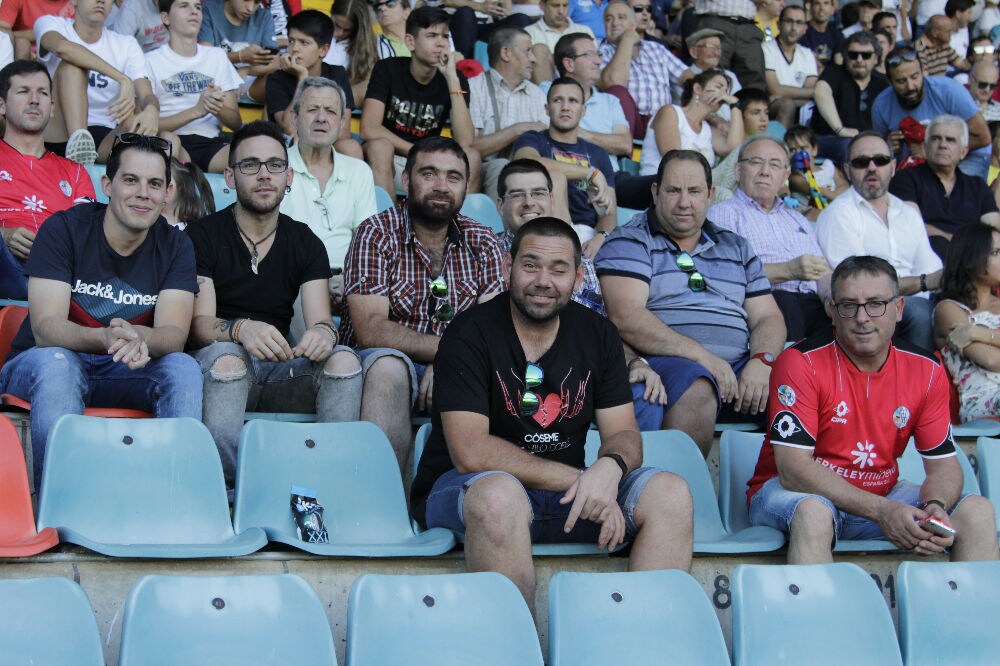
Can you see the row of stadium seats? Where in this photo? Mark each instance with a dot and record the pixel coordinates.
(807, 614)
(154, 488)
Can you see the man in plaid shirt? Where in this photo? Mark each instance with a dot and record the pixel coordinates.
(409, 270)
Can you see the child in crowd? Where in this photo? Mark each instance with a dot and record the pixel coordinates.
(829, 178)
(355, 44)
(191, 197)
(245, 30)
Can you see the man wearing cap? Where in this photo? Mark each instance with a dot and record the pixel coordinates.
(705, 46)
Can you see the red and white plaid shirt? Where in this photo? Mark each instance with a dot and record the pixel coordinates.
(386, 259)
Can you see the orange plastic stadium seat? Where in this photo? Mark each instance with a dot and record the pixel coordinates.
(18, 537)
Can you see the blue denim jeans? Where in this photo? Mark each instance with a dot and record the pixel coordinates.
(917, 324)
(295, 386)
(58, 381)
(13, 282)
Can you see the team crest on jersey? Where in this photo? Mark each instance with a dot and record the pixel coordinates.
(5, 175)
(65, 187)
(786, 395)
(841, 411)
(901, 417)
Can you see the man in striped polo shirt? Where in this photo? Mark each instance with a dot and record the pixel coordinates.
(695, 300)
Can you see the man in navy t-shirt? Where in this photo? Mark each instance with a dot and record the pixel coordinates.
(110, 297)
(519, 379)
(580, 170)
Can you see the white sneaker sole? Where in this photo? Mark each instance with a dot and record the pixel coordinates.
(81, 148)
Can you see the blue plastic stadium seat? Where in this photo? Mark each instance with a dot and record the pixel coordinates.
(988, 455)
(654, 617)
(537, 549)
(47, 622)
(96, 171)
(676, 452)
(139, 488)
(382, 199)
(977, 428)
(354, 472)
(483, 210)
(290, 417)
(948, 612)
(625, 215)
(444, 620)
(738, 455)
(816, 614)
(224, 195)
(264, 619)
(481, 54)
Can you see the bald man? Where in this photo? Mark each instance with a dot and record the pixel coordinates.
(982, 82)
(934, 47)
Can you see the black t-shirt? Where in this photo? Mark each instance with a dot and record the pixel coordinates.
(281, 87)
(480, 368)
(823, 44)
(412, 110)
(296, 256)
(969, 200)
(71, 247)
(849, 99)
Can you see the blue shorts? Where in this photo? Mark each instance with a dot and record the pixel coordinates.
(415, 370)
(677, 374)
(548, 516)
(774, 506)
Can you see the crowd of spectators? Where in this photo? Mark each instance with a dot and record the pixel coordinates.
(810, 176)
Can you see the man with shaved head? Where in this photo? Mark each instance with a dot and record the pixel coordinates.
(934, 47)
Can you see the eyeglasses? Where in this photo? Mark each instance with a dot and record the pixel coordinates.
(251, 166)
(520, 196)
(862, 161)
(849, 309)
(696, 281)
(136, 139)
(859, 55)
(586, 54)
(391, 4)
(642, 9)
(986, 85)
(759, 162)
(439, 290)
(983, 49)
(905, 56)
(533, 376)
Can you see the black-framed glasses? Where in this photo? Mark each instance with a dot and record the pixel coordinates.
(862, 161)
(986, 85)
(643, 9)
(533, 376)
(696, 281)
(144, 140)
(251, 166)
(860, 55)
(849, 309)
(904, 56)
(443, 313)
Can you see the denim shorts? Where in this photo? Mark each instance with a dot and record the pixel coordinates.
(774, 506)
(548, 516)
(415, 370)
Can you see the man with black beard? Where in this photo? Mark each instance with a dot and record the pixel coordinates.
(520, 380)
(252, 263)
(409, 270)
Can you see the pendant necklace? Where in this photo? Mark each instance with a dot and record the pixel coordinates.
(254, 254)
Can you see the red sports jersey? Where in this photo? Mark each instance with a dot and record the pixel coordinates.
(855, 423)
(32, 188)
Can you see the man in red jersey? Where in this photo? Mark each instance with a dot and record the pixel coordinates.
(842, 409)
(34, 183)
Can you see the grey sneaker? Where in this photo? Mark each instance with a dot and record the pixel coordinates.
(81, 147)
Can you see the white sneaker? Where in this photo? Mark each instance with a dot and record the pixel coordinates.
(81, 147)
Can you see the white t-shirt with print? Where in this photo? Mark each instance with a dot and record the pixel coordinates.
(793, 72)
(178, 81)
(119, 51)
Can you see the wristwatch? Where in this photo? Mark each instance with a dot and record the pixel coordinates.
(765, 357)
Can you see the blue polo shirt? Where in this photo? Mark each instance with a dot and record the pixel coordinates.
(590, 14)
(714, 317)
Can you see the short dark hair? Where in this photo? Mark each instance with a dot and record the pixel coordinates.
(142, 143)
(788, 8)
(255, 129)
(953, 7)
(503, 38)
(863, 135)
(523, 165)
(866, 38)
(687, 155)
(747, 96)
(855, 265)
(313, 23)
(881, 16)
(551, 227)
(802, 133)
(566, 48)
(424, 17)
(564, 81)
(165, 5)
(435, 144)
(20, 68)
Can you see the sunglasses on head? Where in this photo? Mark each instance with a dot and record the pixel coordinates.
(696, 281)
(905, 56)
(136, 139)
(862, 161)
(533, 376)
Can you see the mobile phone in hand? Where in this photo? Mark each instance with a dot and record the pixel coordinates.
(937, 527)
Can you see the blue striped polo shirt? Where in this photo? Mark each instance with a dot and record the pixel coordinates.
(714, 317)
